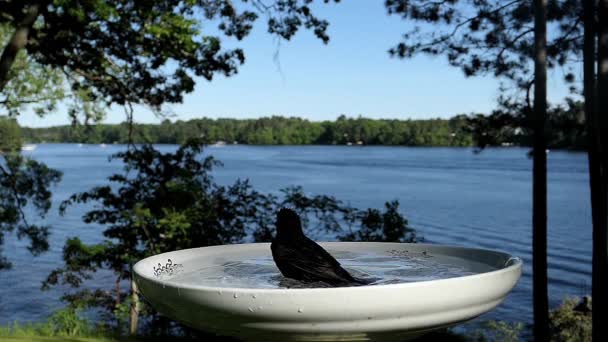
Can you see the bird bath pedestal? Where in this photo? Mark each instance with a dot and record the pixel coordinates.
(235, 290)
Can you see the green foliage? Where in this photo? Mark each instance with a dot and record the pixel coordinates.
(24, 181)
(389, 226)
(29, 83)
(565, 127)
(444, 335)
(168, 201)
(41, 87)
(270, 131)
(143, 52)
(10, 135)
(490, 36)
(565, 130)
(121, 315)
(66, 322)
(498, 331)
(568, 325)
(496, 37)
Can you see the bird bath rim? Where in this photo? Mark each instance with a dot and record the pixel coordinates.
(391, 312)
(512, 262)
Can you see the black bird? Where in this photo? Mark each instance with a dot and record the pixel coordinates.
(584, 306)
(300, 258)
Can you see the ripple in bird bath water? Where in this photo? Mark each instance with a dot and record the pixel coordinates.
(261, 272)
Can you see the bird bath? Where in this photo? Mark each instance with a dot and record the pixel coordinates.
(236, 290)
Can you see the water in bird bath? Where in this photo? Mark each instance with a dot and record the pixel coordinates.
(392, 268)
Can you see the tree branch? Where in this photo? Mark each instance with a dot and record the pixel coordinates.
(18, 41)
(457, 27)
(15, 194)
(28, 101)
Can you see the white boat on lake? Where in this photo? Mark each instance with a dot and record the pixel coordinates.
(28, 147)
(219, 143)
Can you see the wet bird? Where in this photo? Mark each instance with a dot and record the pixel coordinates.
(584, 306)
(300, 258)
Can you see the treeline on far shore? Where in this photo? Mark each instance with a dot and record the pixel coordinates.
(275, 130)
(459, 130)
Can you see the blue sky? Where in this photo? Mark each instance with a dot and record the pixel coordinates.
(352, 75)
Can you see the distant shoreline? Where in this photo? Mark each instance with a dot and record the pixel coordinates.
(282, 131)
(472, 148)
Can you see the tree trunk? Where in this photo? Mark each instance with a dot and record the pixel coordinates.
(117, 289)
(599, 180)
(134, 312)
(18, 41)
(539, 183)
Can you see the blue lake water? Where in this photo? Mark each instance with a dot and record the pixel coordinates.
(450, 196)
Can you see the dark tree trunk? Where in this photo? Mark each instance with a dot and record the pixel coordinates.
(539, 183)
(18, 41)
(598, 163)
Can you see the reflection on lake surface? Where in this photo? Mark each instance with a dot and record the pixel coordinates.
(450, 195)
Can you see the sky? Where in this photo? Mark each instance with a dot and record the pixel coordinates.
(353, 75)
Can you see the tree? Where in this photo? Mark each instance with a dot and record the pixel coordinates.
(169, 201)
(38, 87)
(282, 131)
(133, 52)
(600, 235)
(382, 227)
(24, 181)
(98, 53)
(10, 135)
(494, 37)
(596, 106)
(490, 36)
(539, 180)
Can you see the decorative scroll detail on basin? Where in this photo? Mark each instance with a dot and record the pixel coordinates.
(169, 269)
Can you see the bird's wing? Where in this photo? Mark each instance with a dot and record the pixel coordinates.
(313, 263)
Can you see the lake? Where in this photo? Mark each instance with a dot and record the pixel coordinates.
(449, 195)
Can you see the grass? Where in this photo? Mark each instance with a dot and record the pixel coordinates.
(66, 325)
(77, 339)
(63, 325)
(56, 338)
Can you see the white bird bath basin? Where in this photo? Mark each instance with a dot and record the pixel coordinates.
(235, 290)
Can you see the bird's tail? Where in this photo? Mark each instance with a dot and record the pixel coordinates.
(364, 281)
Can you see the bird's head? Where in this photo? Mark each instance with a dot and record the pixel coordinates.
(288, 224)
